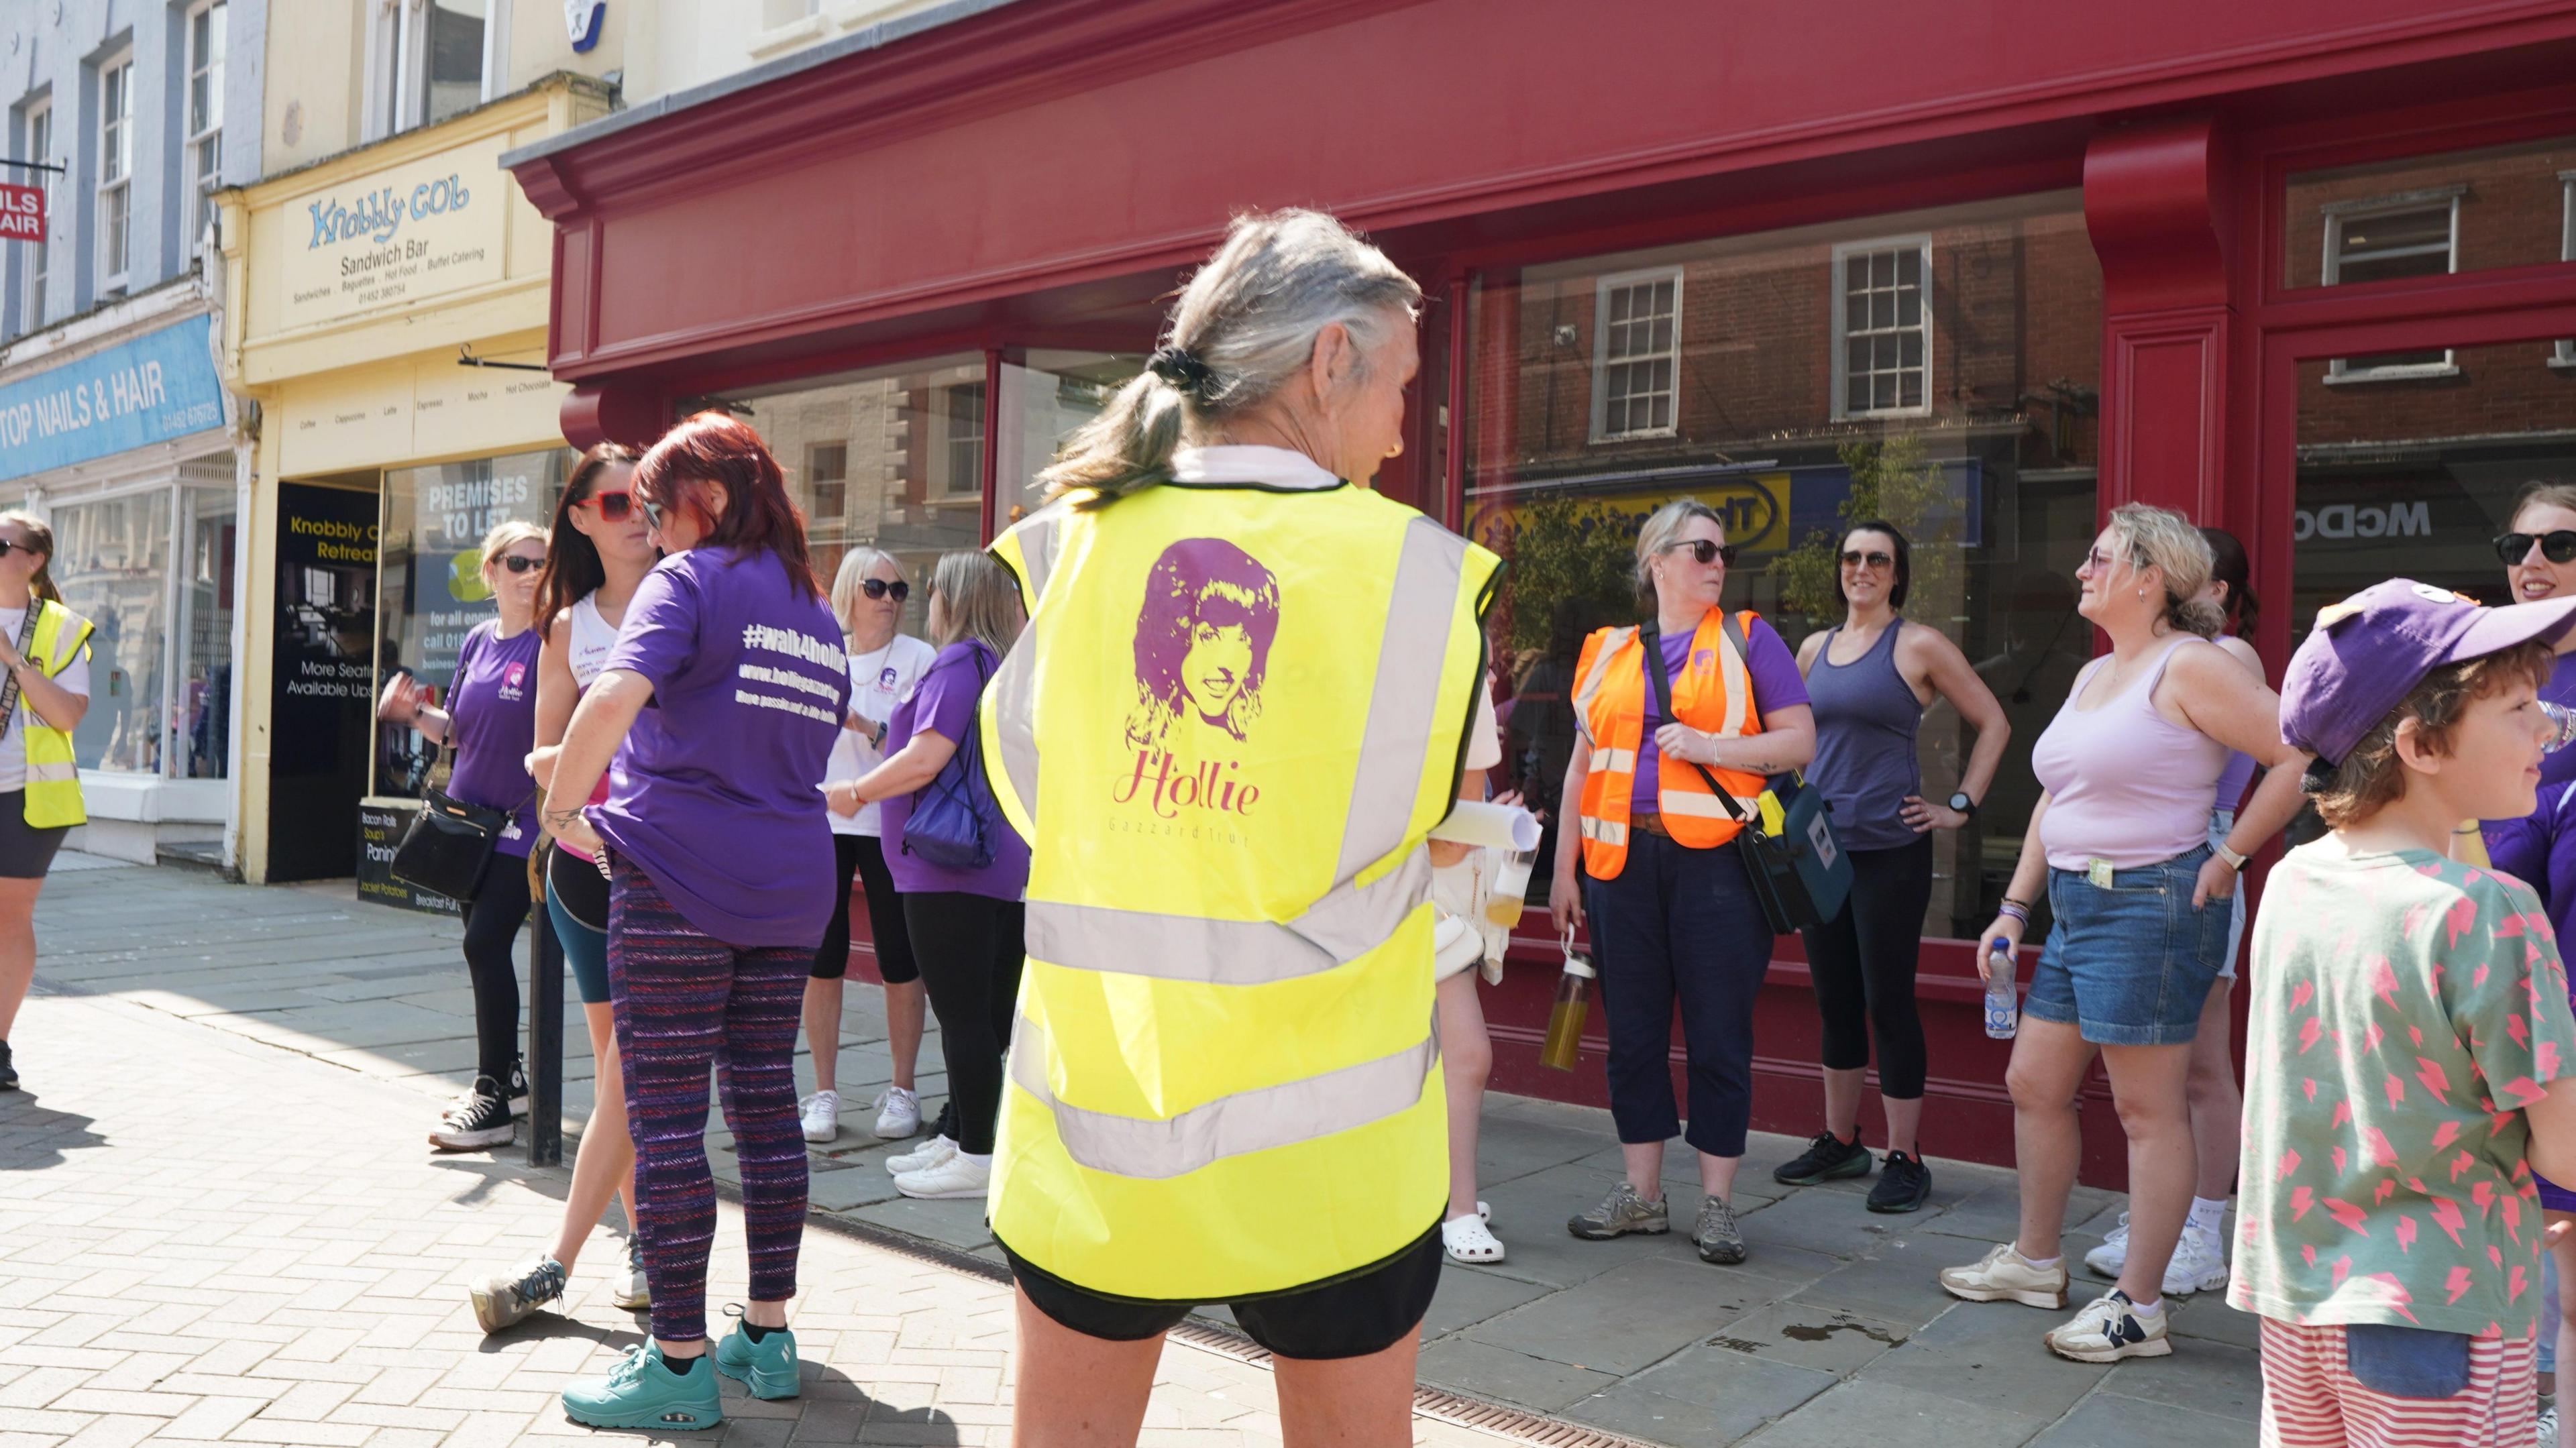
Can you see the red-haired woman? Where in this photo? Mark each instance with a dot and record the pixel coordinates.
(720, 880)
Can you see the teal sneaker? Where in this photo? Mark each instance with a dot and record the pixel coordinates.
(641, 1393)
(767, 1367)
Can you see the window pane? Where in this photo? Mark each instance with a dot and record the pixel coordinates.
(112, 562)
(454, 74)
(2511, 201)
(201, 717)
(2005, 502)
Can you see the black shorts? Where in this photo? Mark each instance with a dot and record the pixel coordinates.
(26, 852)
(891, 938)
(1350, 1316)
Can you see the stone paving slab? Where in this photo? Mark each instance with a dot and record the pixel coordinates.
(1834, 1332)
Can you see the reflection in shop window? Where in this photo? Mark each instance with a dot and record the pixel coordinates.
(1047, 395)
(1637, 354)
(112, 563)
(2455, 211)
(2383, 239)
(1993, 475)
(2564, 353)
(962, 421)
(201, 716)
(827, 471)
(1883, 328)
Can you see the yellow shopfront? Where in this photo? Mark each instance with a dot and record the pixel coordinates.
(389, 321)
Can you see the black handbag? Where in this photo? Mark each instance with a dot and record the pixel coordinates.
(1800, 874)
(448, 848)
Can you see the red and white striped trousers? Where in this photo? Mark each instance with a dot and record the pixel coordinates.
(2312, 1400)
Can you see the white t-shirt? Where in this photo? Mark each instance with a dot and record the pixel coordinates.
(878, 682)
(13, 746)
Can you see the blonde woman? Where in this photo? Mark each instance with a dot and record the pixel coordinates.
(2140, 900)
(966, 923)
(868, 594)
(45, 649)
(491, 720)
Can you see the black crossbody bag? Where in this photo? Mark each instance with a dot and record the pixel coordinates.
(448, 848)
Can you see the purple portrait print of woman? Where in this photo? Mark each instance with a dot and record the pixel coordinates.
(1203, 640)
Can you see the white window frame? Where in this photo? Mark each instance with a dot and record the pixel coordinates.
(2563, 356)
(116, 142)
(202, 143)
(38, 270)
(1602, 288)
(1919, 243)
(396, 90)
(2337, 214)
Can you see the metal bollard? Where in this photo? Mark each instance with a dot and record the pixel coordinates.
(545, 1030)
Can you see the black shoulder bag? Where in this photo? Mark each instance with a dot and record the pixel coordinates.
(448, 848)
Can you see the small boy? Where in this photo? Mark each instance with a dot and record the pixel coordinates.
(2409, 1038)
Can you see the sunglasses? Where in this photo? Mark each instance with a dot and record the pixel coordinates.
(1854, 558)
(1704, 552)
(8, 547)
(520, 562)
(2100, 561)
(652, 510)
(2558, 547)
(879, 588)
(614, 507)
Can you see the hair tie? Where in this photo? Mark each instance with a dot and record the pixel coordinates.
(1182, 369)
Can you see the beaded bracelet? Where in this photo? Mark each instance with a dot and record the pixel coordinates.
(2016, 910)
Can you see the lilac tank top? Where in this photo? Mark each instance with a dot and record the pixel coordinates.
(2125, 784)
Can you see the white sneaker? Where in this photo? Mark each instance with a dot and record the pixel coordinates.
(628, 1288)
(2108, 1329)
(2544, 1428)
(2112, 1257)
(822, 1116)
(898, 1114)
(2198, 1265)
(2004, 1275)
(958, 1176)
(934, 1151)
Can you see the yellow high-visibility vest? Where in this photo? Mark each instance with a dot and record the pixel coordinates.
(53, 774)
(1235, 715)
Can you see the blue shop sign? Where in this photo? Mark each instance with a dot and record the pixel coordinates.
(151, 389)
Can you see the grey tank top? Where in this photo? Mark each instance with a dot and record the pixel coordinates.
(1866, 719)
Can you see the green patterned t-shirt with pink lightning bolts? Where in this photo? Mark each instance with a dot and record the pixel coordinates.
(2405, 1008)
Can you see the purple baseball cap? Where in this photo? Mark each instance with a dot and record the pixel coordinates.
(2367, 653)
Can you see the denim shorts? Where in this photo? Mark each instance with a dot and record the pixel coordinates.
(2130, 965)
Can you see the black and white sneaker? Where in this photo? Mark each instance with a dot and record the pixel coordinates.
(8, 1069)
(1904, 1185)
(478, 1119)
(1827, 1158)
(518, 1088)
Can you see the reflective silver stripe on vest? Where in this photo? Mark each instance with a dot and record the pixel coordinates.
(1591, 686)
(1236, 1125)
(1013, 700)
(1349, 922)
(1420, 613)
(1037, 549)
(52, 773)
(1608, 832)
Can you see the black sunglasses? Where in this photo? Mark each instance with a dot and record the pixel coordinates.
(879, 588)
(8, 547)
(1703, 551)
(1854, 558)
(2558, 547)
(520, 562)
(652, 510)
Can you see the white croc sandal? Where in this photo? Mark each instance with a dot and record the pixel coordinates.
(1485, 1213)
(1470, 1241)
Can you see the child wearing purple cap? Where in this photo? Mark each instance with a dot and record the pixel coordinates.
(2410, 1038)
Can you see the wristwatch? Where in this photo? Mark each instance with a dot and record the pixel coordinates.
(2233, 860)
(1961, 804)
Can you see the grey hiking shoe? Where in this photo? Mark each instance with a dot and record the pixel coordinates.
(1715, 1234)
(1622, 1212)
(501, 1302)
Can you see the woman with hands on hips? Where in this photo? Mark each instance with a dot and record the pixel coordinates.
(44, 695)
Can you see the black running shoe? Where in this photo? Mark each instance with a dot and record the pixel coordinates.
(478, 1119)
(1904, 1185)
(1826, 1159)
(8, 1069)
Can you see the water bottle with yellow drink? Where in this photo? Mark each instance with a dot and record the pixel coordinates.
(1565, 1018)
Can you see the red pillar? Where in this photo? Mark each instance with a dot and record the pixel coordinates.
(2154, 201)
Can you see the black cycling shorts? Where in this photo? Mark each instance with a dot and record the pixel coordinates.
(1350, 1316)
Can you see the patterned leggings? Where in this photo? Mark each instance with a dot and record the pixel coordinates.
(685, 1001)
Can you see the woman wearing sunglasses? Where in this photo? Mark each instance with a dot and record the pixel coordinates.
(44, 693)
(597, 553)
(491, 722)
(868, 594)
(1662, 783)
(1871, 678)
(2139, 899)
(720, 875)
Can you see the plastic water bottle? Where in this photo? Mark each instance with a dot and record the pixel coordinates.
(2003, 1003)
(2565, 720)
(1565, 1017)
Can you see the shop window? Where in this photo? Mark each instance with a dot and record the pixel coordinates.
(1046, 396)
(2563, 354)
(205, 116)
(430, 577)
(112, 563)
(1636, 349)
(909, 440)
(2427, 216)
(1883, 328)
(201, 714)
(39, 126)
(2383, 239)
(1992, 475)
(115, 170)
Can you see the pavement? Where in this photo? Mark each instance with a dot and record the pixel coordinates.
(219, 1221)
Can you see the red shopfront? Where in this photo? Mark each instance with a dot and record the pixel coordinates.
(2306, 271)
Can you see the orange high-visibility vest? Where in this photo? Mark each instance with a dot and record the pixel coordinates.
(1712, 692)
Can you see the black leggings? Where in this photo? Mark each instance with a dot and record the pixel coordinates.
(493, 920)
(1863, 965)
(970, 948)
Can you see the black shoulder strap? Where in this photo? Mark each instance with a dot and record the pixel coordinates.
(1664, 689)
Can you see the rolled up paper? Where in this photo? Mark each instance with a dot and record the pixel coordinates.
(1503, 826)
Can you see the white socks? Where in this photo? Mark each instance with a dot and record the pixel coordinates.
(2035, 1262)
(2207, 1216)
(2149, 1309)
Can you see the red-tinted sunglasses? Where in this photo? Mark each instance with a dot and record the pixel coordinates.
(614, 507)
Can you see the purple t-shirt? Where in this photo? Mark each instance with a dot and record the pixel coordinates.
(494, 704)
(712, 794)
(942, 704)
(1777, 684)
